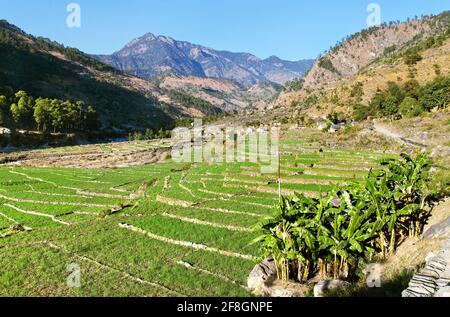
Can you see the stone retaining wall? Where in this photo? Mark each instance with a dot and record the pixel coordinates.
(434, 279)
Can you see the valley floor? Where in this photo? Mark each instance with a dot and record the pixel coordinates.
(156, 229)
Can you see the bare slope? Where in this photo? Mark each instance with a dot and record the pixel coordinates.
(348, 58)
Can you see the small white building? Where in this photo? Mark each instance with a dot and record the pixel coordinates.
(336, 127)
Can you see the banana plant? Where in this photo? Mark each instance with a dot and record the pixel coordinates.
(331, 233)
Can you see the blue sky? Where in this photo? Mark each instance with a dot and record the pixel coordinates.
(290, 29)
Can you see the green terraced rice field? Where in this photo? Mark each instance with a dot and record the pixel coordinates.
(185, 229)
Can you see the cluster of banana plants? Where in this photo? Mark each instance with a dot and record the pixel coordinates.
(329, 235)
(400, 194)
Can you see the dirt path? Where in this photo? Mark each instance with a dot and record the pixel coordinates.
(93, 159)
(389, 133)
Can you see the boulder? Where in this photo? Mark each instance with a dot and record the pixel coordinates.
(321, 288)
(285, 289)
(262, 274)
(281, 292)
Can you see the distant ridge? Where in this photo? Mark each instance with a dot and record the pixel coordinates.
(151, 56)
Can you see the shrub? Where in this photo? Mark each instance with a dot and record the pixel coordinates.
(337, 117)
(412, 88)
(411, 107)
(437, 69)
(311, 100)
(386, 102)
(295, 84)
(390, 106)
(412, 58)
(361, 112)
(395, 91)
(392, 100)
(193, 102)
(327, 64)
(389, 50)
(357, 91)
(435, 94)
(149, 134)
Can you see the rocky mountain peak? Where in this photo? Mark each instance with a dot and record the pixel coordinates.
(151, 56)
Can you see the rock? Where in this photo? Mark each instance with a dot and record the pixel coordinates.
(434, 278)
(262, 275)
(283, 292)
(279, 288)
(440, 151)
(445, 274)
(424, 289)
(336, 203)
(437, 263)
(408, 293)
(430, 272)
(429, 256)
(443, 292)
(441, 230)
(321, 288)
(416, 292)
(263, 281)
(443, 282)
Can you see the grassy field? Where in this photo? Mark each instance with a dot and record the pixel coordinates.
(163, 229)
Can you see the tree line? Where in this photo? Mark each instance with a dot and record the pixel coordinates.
(22, 111)
(410, 99)
(149, 134)
(442, 18)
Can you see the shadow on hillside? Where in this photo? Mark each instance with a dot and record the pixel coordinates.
(42, 74)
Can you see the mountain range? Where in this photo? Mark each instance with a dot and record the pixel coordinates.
(189, 80)
(44, 68)
(151, 56)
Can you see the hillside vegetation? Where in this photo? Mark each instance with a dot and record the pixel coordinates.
(20, 110)
(223, 94)
(46, 69)
(414, 69)
(351, 55)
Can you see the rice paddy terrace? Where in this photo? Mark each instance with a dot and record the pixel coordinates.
(158, 229)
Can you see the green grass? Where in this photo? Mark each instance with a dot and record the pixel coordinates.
(226, 202)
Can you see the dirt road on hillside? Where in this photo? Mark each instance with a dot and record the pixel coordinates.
(389, 133)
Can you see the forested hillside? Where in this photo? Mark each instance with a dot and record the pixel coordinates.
(406, 79)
